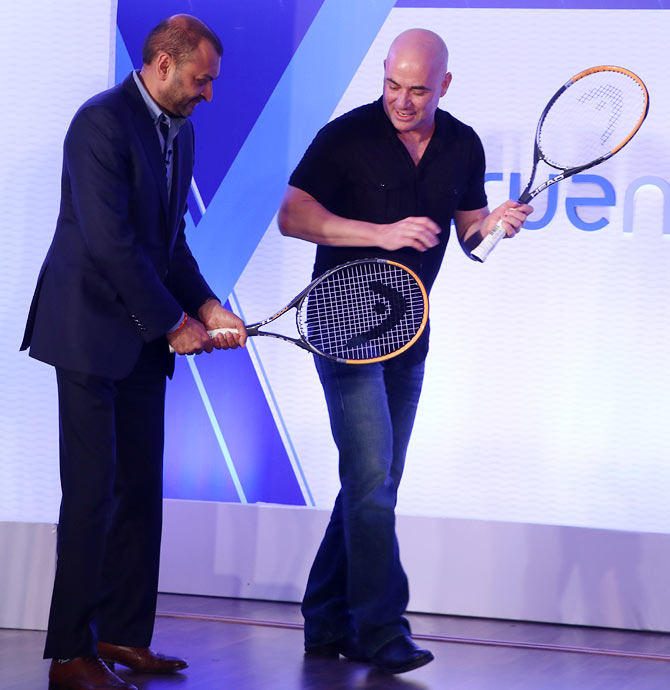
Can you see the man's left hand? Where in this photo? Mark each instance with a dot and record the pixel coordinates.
(214, 316)
(513, 215)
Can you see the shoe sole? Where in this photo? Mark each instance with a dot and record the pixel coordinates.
(414, 664)
(59, 686)
(111, 666)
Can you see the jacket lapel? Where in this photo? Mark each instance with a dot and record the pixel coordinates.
(147, 136)
(182, 169)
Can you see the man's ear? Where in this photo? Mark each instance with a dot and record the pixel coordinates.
(164, 65)
(445, 83)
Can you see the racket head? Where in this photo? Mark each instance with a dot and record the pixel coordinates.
(591, 117)
(364, 311)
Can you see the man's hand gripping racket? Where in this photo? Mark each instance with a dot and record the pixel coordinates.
(360, 312)
(586, 121)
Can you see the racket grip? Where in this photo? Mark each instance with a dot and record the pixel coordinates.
(214, 332)
(485, 247)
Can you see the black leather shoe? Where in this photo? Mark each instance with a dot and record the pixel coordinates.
(401, 654)
(140, 659)
(332, 650)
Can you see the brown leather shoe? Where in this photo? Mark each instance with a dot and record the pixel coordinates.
(85, 673)
(140, 659)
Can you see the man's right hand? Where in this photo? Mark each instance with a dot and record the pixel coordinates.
(417, 233)
(191, 338)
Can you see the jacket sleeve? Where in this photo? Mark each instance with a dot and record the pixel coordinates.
(185, 281)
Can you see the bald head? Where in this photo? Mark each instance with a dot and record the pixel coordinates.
(420, 45)
(415, 78)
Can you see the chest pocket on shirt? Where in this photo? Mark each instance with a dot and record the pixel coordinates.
(380, 197)
(444, 197)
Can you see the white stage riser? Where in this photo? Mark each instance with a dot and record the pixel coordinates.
(27, 565)
(459, 567)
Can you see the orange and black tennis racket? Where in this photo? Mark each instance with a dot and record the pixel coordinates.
(588, 120)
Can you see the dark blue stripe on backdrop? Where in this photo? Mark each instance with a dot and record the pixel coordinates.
(259, 39)
(195, 464)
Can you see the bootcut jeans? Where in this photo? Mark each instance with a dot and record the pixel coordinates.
(357, 590)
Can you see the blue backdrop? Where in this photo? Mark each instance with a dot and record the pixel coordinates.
(223, 441)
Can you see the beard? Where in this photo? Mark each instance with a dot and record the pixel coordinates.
(177, 99)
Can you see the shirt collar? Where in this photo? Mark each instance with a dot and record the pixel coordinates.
(440, 133)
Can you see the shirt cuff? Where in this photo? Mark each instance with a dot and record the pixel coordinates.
(179, 323)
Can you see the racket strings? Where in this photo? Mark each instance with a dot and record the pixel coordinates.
(591, 118)
(601, 96)
(361, 312)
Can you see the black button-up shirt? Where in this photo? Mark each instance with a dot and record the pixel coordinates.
(358, 168)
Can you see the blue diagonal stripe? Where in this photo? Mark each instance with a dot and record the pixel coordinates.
(217, 429)
(249, 195)
(247, 199)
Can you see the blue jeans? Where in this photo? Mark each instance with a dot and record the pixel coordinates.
(357, 588)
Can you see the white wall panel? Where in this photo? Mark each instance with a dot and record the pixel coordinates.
(545, 398)
(54, 57)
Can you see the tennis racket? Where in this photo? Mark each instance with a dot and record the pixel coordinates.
(587, 121)
(360, 312)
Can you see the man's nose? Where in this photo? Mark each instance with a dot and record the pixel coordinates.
(208, 92)
(403, 100)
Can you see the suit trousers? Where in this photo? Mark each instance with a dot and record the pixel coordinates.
(109, 529)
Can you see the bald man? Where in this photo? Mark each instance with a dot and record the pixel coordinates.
(384, 180)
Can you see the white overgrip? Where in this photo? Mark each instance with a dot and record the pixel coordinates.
(485, 247)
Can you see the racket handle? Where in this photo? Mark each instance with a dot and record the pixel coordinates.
(485, 247)
(214, 332)
(222, 330)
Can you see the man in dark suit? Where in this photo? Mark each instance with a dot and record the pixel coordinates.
(118, 285)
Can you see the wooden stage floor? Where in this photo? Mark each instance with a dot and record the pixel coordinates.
(233, 644)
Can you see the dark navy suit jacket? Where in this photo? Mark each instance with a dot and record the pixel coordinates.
(119, 272)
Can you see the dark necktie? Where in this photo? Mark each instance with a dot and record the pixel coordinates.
(164, 127)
